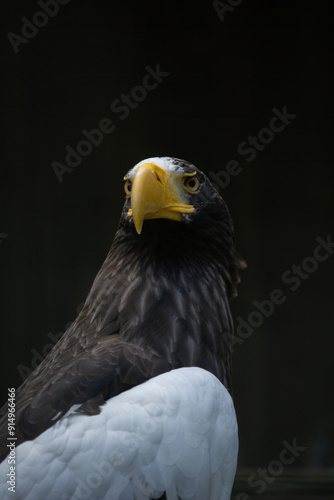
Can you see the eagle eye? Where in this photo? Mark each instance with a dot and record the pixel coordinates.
(191, 183)
(128, 186)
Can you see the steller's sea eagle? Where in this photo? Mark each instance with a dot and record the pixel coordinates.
(133, 402)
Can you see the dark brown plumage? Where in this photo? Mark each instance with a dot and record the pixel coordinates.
(159, 302)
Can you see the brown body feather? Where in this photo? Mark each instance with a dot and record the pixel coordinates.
(159, 302)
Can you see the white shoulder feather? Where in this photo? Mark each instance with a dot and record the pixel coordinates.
(176, 433)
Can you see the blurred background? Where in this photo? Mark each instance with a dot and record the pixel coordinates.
(222, 70)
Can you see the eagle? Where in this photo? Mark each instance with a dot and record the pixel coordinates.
(134, 401)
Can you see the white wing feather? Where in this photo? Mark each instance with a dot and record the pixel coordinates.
(176, 433)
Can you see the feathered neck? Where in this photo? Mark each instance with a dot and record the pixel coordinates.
(172, 286)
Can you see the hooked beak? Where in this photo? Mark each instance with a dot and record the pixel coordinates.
(156, 194)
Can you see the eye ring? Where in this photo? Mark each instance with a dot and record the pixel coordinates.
(128, 187)
(191, 183)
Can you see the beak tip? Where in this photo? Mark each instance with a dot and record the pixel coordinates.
(138, 226)
(137, 222)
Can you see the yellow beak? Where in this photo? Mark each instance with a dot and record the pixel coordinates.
(156, 194)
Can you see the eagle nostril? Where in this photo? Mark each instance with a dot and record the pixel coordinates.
(158, 178)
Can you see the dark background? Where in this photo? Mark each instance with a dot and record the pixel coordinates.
(225, 77)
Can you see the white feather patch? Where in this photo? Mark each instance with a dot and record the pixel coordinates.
(177, 433)
(165, 162)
